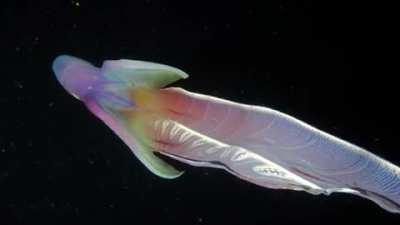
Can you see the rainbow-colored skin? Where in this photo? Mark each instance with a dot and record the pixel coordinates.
(257, 144)
(109, 93)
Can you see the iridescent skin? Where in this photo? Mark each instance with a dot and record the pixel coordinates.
(269, 148)
(257, 144)
(108, 92)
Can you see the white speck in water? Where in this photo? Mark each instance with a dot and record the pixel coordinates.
(18, 84)
(36, 40)
(75, 3)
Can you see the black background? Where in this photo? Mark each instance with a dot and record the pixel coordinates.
(330, 63)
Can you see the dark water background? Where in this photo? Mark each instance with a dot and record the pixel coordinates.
(333, 64)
